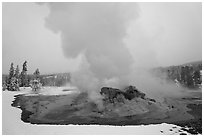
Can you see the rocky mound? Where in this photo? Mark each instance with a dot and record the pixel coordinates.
(114, 95)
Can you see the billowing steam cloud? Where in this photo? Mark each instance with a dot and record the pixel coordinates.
(96, 32)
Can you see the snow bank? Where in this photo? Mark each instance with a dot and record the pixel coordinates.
(12, 124)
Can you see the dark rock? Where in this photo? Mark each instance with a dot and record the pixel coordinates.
(132, 92)
(153, 100)
(111, 93)
(129, 93)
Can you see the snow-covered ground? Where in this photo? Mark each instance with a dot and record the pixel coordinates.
(49, 91)
(12, 124)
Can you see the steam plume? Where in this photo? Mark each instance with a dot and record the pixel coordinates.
(95, 31)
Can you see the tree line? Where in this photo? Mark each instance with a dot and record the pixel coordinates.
(16, 79)
(188, 76)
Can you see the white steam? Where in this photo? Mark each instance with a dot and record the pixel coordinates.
(96, 32)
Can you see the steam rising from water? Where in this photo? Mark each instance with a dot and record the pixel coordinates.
(96, 32)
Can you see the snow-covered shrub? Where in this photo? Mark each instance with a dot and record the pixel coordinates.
(4, 86)
(13, 85)
(36, 85)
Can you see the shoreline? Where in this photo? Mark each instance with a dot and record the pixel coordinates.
(14, 125)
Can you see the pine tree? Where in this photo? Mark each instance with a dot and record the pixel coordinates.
(36, 74)
(13, 83)
(11, 71)
(196, 77)
(17, 72)
(11, 75)
(23, 76)
(25, 66)
(17, 76)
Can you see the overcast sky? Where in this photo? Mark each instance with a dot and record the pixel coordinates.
(163, 34)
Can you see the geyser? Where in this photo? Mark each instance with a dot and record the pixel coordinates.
(95, 31)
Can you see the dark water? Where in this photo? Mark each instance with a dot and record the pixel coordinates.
(77, 109)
